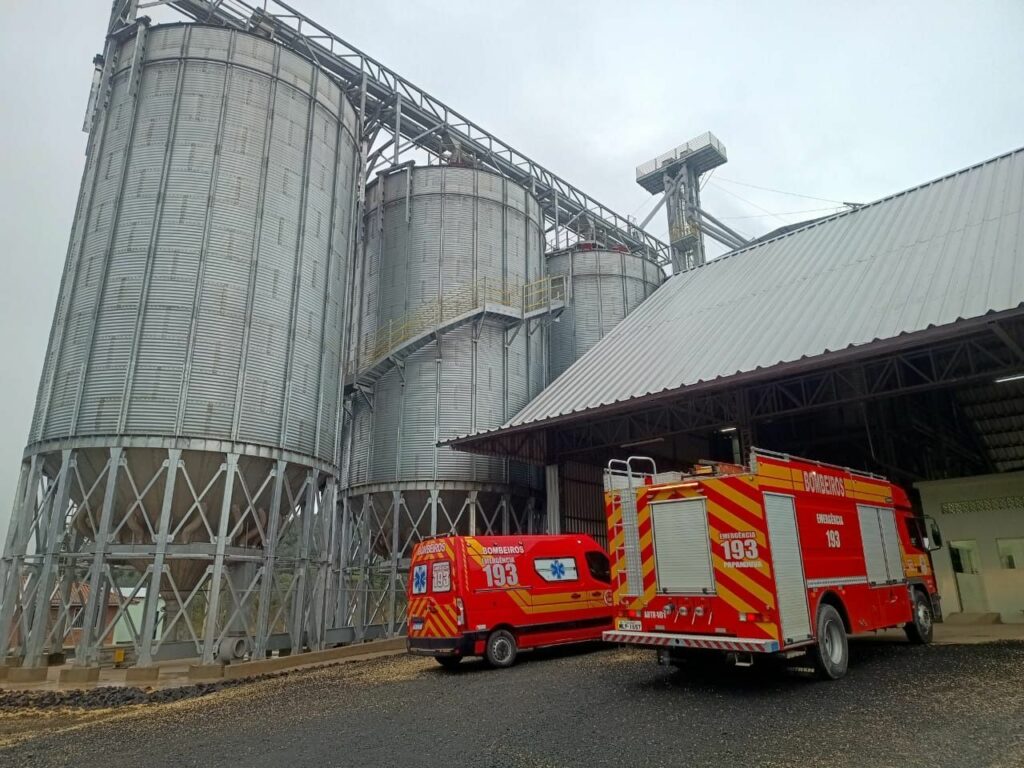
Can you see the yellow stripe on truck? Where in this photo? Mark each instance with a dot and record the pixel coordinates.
(738, 498)
(737, 575)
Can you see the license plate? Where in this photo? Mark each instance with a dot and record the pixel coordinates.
(627, 625)
(417, 623)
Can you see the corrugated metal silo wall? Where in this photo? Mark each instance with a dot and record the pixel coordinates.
(604, 286)
(440, 232)
(203, 289)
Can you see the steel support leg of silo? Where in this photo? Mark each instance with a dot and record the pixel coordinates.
(296, 627)
(213, 604)
(269, 562)
(471, 503)
(361, 558)
(37, 634)
(305, 596)
(319, 594)
(531, 515)
(18, 530)
(396, 506)
(434, 493)
(331, 507)
(152, 601)
(95, 613)
(342, 610)
(554, 521)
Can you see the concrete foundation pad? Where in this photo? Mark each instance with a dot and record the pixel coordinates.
(973, 618)
(79, 675)
(27, 674)
(142, 674)
(204, 672)
(266, 666)
(3, 671)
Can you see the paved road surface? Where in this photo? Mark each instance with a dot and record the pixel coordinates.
(900, 705)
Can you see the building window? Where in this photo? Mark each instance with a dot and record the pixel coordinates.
(599, 567)
(556, 568)
(1011, 553)
(964, 556)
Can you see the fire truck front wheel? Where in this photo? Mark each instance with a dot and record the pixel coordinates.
(832, 652)
(501, 648)
(919, 630)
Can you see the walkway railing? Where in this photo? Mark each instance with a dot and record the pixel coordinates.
(526, 298)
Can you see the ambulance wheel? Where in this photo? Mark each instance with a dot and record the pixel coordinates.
(832, 652)
(448, 662)
(919, 630)
(501, 649)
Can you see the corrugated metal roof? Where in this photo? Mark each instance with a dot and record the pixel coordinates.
(997, 411)
(948, 250)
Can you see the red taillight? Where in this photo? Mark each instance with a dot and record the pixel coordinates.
(753, 617)
(460, 617)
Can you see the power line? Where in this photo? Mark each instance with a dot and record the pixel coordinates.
(708, 177)
(780, 213)
(781, 192)
(749, 202)
(642, 205)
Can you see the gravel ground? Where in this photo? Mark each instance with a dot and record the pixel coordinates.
(900, 706)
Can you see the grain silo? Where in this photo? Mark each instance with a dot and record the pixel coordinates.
(186, 431)
(603, 286)
(451, 342)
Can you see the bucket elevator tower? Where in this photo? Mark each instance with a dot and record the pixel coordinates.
(677, 173)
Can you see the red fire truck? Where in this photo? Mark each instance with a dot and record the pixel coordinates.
(787, 556)
(493, 596)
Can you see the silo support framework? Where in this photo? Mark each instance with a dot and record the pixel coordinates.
(170, 543)
(385, 521)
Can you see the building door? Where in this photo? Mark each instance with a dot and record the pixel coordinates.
(967, 571)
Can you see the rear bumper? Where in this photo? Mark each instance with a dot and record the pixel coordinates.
(441, 646)
(708, 642)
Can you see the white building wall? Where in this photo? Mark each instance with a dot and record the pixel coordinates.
(981, 509)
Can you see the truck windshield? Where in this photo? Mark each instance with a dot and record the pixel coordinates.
(915, 531)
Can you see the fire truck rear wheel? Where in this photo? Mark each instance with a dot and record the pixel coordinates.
(501, 648)
(832, 652)
(919, 630)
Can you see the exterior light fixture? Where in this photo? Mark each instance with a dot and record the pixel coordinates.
(1013, 377)
(727, 430)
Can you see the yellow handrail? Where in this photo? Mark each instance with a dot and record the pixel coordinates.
(526, 298)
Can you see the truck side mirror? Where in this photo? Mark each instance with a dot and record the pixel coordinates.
(934, 540)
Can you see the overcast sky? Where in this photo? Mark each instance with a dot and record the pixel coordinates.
(839, 101)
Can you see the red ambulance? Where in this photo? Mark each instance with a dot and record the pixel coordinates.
(786, 557)
(494, 596)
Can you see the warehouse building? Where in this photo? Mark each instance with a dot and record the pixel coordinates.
(889, 337)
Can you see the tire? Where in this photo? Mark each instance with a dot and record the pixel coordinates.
(919, 629)
(448, 662)
(831, 654)
(501, 649)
